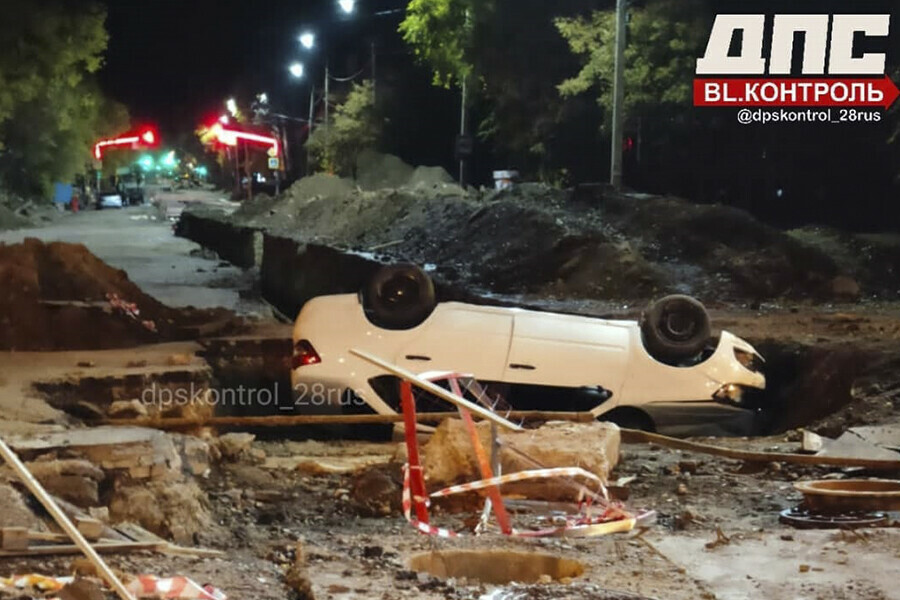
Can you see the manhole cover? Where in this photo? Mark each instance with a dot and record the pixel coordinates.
(802, 518)
(495, 566)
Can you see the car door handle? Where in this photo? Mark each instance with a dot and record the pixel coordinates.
(418, 357)
(522, 367)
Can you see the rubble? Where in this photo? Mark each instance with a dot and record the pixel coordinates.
(232, 446)
(74, 480)
(142, 470)
(449, 459)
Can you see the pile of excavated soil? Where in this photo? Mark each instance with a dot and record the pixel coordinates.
(585, 243)
(60, 296)
(16, 212)
(11, 220)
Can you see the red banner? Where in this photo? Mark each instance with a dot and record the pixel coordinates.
(795, 92)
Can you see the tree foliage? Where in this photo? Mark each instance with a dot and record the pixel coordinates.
(51, 110)
(440, 34)
(665, 37)
(354, 127)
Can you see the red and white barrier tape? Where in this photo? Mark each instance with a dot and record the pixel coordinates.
(612, 520)
(174, 588)
(407, 501)
(520, 476)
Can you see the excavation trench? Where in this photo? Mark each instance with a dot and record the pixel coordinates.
(249, 377)
(805, 383)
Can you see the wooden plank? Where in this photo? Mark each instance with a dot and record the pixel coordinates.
(14, 538)
(313, 420)
(68, 549)
(137, 533)
(633, 436)
(60, 538)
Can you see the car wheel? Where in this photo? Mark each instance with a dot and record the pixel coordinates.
(399, 297)
(631, 418)
(675, 328)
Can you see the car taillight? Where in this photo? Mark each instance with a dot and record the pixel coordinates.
(304, 355)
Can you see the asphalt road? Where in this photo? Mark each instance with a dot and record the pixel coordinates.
(140, 241)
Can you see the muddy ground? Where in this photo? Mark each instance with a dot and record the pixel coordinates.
(262, 517)
(299, 519)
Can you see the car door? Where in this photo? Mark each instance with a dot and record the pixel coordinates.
(462, 338)
(567, 351)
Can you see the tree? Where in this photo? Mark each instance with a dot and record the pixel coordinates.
(354, 127)
(440, 34)
(519, 55)
(665, 37)
(50, 109)
(511, 54)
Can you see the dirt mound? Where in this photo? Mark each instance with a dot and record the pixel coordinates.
(870, 260)
(376, 171)
(60, 296)
(430, 176)
(11, 220)
(587, 243)
(320, 185)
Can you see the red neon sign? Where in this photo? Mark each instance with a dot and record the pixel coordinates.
(146, 137)
(230, 137)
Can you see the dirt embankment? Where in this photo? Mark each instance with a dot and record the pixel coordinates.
(60, 296)
(588, 243)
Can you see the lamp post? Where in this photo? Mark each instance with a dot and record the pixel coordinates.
(297, 71)
(618, 117)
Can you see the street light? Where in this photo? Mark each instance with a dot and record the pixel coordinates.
(347, 5)
(296, 70)
(308, 40)
(231, 105)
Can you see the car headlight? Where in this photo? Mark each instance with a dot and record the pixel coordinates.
(750, 361)
(730, 394)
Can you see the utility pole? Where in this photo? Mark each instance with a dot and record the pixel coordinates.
(237, 171)
(618, 117)
(374, 76)
(464, 116)
(327, 88)
(309, 132)
(327, 109)
(462, 130)
(247, 172)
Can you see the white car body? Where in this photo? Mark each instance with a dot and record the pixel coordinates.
(110, 201)
(511, 345)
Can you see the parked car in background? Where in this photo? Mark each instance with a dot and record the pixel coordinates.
(665, 371)
(110, 199)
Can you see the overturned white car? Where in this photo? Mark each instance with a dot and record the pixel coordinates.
(664, 372)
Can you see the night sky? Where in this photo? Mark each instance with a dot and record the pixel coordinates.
(175, 62)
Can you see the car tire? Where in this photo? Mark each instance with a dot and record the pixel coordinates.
(675, 329)
(399, 297)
